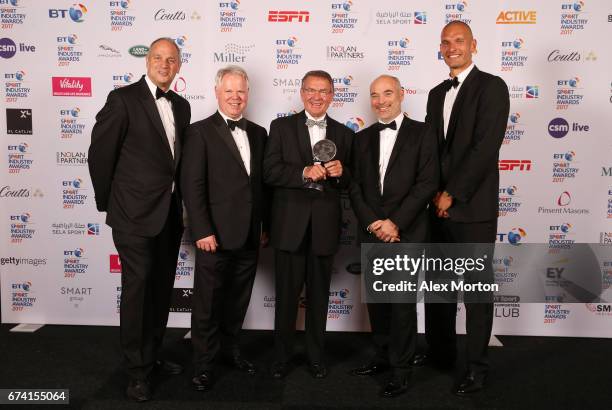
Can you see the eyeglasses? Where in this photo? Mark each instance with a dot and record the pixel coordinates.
(311, 91)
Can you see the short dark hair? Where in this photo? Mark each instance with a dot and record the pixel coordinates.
(319, 74)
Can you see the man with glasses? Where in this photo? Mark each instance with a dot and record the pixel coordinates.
(305, 222)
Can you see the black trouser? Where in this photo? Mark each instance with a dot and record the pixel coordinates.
(222, 290)
(292, 271)
(148, 268)
(440, 318)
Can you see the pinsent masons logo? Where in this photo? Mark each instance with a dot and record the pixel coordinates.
(71, 86)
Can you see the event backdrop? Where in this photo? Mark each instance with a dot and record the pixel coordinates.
(60, 59)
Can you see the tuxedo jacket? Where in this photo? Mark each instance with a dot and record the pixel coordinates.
(469, 155)
(221, 198)
(295, 208)
(130, 162)
(410, 181)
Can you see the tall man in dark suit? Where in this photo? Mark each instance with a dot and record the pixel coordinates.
(133, 162)
(395, 175)
(469, 112)
(305, 223)
(222, 184)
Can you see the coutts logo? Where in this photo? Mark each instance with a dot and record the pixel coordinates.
(71, 86)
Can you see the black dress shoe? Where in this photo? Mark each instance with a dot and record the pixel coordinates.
(279, 370)
(419, 360)
(203, 381)
(138, 390)
(370, 369)
(243, 365)
(426, 359)
(470, 384)
(318, 370)
(168, 367)
(394, 387)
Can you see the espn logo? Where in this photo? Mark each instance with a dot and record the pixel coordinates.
(515, 164)
(288, 16)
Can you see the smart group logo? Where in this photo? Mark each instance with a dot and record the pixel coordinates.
(560, 236)
(114, 263)
(344, 52)
(289, 86)
(355, 123)
(181, 300)
(563, 202)
(555, 313)
(345, 91)
(569, 93)
(458, 10)
(527, 92)
(515, 129)
(68, 50)
(517, 17)
(22, 296)
(71, 158)
(107, 51)
(181, 87)
(509, 201)
(75, 229)
(12, 13)
(121, 80)
(517, 165)
(121, 15)
(343, 17)
(19, 121)
(71, 86)
(564, 166)
(21, 227)
(19, 158)
(184, 266)
(400, 17)
(233, 53)
(340, 304)
(287, 52)
(71, 122)
(231, 18)
(76, 13)
(16, 86)
(513, 54)
(75, 262)
(186, 55)
(280, 16)
(400, 53)
(573, 18)
(514, 237)
(74, 194)
(75, 295)
(570, 56)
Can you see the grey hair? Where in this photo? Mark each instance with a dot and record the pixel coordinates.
(169, 40)
(231, 69)
(391, 77)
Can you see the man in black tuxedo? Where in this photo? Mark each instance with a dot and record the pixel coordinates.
(305, 223)
(469, 112)
(222, 184)
(394, 176)
(133, 162)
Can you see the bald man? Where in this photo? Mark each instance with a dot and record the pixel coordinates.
(395, 175)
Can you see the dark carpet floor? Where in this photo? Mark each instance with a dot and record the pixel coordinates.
(528, 373)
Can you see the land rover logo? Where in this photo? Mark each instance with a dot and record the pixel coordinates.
(139, 51)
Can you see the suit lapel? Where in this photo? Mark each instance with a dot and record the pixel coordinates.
(180, 120)
(400, 140)
(303, 138)
(463, 91)
(226, 136)
(148, 102)
(253, 146)
(374, 137)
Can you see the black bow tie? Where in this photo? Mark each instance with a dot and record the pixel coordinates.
(451, 83)
(381, 126)
(241, 123)
(160, 94)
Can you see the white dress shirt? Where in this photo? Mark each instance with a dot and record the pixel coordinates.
(387, 141)
(451, 96)
(315, 132)
(242, 142)
(164, 107)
